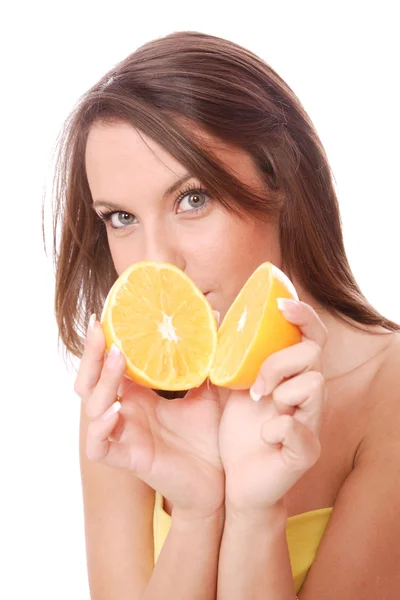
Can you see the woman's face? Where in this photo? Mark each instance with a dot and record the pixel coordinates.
(130, 174)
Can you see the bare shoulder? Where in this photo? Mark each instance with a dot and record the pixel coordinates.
(118, 519)
(385, 386)
(383, 421)
(390, 364)
(361, 540)
(381, 411)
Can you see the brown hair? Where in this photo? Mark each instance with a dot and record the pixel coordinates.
(167, 88)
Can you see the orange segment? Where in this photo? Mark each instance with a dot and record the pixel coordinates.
(163, 324)
(253, 329)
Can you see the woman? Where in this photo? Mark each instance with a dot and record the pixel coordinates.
(193, 151)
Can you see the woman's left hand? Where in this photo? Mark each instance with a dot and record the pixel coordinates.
(267, 445)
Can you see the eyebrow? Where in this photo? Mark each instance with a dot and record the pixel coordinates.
(168, 192)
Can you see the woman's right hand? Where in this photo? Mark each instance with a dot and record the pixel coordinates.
(172, 445)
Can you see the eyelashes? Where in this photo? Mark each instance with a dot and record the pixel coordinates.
(192, 189)
(107, 215)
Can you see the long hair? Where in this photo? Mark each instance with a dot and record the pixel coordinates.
(169, 88)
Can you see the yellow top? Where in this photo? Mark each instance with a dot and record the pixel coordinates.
(303, 533)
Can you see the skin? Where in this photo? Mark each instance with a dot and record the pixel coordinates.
(282, 434)
(131, 170)
(128, 168)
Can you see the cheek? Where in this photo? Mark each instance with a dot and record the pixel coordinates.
(121, 254)
(241, 249)
(247, 245)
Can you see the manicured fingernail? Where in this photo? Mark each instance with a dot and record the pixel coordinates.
(110, 412)
(257, 390)
(285, 304)
(92, 321)
(114, 354)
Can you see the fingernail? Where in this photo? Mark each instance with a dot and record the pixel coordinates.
(92, 321)
(110, 412)
(257, 390)
(285, 304)
(217, 316)
(114, 354)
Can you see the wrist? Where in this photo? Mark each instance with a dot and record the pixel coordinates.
(274, 516)
(185, 520)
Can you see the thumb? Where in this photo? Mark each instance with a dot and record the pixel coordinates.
(206, 391)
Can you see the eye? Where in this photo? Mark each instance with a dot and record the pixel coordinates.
(192, 200)
(118, 219)
(121, 219)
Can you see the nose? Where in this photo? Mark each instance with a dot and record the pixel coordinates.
(162, 245)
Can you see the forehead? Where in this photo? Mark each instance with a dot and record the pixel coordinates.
(120, 151)
(119, 148)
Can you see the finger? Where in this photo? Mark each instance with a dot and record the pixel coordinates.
(297, 444)
(305, 317)
(193, 403)
(92, 360)
(205, 391)
(125, 428)
(302, 397)
(101, 447)
(108, 384)
(97, 442)
(286, 363)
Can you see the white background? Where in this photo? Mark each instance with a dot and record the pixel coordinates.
(341, 59)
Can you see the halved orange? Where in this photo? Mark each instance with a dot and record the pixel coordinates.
(163, 324)
(253, 328)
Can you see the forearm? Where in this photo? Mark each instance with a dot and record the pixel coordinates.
(254, 558)
(188, 563)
